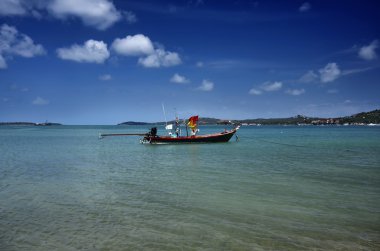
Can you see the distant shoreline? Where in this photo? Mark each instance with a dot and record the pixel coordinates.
(28, 124)
(363, 118)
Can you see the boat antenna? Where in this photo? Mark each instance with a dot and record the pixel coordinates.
(176, 115)
(163, 109)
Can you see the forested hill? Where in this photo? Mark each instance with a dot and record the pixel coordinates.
(360, 118)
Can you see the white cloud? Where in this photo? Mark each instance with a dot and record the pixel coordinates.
(18, 88)
(206, 86)
(254, 91)
(40, 101)
(199, 64)
(266, 87)
(332, 91)
(91, 52)
(159, 58)
(199, 2)
(142, 46)
(358, 70)
(271, 86)
(14, 43)
(130, 17)
(105, 77)
(23, 7)
(26, 48)
(295, 92)
(309, 77)
(368, 52)
(12, 8)
(178, 79)
(100, 14)
(3, 64)
(305, 7)
(172, 8)
(136, 45)
(329, 73)
(227, 64)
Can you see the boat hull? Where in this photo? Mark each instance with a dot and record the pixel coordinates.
(210, 138)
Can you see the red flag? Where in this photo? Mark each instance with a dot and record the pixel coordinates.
(193, 122)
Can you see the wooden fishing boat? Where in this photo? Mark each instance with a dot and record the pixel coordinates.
(224, 136)
(174, 134)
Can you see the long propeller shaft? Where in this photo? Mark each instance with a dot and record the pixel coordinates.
(102, 135)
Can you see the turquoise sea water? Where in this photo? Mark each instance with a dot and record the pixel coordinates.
(278, 188)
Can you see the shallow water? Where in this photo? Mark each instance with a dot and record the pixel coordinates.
(278, 188)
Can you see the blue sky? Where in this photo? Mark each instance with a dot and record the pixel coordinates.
(105, 62)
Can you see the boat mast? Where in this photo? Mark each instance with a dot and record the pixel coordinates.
(163, 109)
(187, 132)
(177, 124)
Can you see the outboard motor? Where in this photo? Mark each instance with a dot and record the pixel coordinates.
(153, 132)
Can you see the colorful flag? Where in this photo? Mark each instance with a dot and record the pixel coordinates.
(193, 122)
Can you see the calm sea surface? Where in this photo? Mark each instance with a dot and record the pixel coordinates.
(278, 188)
